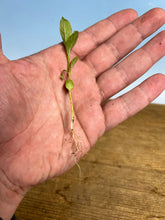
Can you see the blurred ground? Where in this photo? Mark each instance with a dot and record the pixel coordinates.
(123, 177)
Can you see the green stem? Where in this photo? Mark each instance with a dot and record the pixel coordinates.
(69, 69)
(72, 110)
(71, 104)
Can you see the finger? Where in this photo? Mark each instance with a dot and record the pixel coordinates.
(98, 33)
(132, 67)
(125, 40)
(123, 107)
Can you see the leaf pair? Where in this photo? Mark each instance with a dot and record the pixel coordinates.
(69, 38)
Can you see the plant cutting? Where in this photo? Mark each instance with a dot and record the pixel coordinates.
(69, 40)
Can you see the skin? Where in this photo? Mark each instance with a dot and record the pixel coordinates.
(35, 139)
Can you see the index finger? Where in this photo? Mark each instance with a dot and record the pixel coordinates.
(124, 41)
(93, 36)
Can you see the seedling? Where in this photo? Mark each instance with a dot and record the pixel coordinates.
(69, 40)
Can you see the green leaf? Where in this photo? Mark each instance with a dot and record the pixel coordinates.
(65, 29)
(71, 41)
(62, 74)
(73, 62)
(69, 84)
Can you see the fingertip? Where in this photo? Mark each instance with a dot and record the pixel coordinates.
(159, 79)
(132, 12)
(158, 12)
(153, 86)
(129, 12)
(124, 17)
(158, 84)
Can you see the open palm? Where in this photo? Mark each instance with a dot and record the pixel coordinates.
(35, 139)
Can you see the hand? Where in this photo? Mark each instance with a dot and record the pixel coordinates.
(35, 140)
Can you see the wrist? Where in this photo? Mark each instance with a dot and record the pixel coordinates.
(9, 201)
